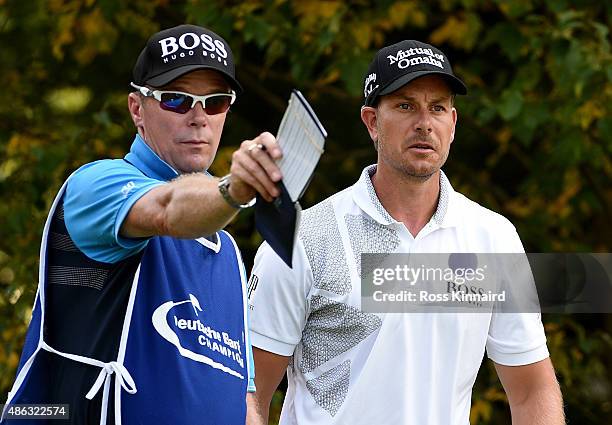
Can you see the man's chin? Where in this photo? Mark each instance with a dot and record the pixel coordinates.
(423, 171)
(198, 167)
(199, 163)
(420, 174)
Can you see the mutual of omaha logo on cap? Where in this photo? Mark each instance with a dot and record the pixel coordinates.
(176, 51)
(396, 65)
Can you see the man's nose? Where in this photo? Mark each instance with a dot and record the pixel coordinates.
(423, 122)
(198, 115)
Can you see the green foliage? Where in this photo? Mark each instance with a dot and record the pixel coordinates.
(534, 139)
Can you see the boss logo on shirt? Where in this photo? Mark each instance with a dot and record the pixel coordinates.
(458, 291)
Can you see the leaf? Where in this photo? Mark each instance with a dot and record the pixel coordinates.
(459, 30)
(96, 36)
(481, 410)
(604, 127)
(509, 38)
(568, 148)
(515, 8)
(510, 104)
(528, 76)
(589, 112)
(557, 5)
(316, 9)
(362, 34)
(352, 71)
(7, 168)
(64, 35)
(402, 12)
(69, 100)
(258, 30)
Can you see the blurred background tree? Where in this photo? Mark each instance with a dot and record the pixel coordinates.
(534, 137)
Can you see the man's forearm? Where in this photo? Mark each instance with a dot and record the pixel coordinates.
(192, 205)
(257, 414)
(543, 407)
(196, 208)
(270, 369)
(188, 207)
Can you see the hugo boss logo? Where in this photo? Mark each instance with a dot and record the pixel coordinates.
(188, 42)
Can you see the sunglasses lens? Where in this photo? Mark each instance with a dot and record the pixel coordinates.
(181, 103)
(176, 102)
(217, 104)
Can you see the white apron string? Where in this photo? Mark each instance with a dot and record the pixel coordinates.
(123, 379)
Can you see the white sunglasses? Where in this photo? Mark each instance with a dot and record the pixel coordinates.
(181, 103)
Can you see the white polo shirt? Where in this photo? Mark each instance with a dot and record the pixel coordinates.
(353, 367)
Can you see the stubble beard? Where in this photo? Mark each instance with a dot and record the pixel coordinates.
(403, 167)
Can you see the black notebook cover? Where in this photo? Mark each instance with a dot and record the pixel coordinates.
(277, 223)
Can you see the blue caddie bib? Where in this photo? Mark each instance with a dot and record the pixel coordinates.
(182, 355)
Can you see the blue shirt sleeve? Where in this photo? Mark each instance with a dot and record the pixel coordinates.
(251, 368)
(98, 197)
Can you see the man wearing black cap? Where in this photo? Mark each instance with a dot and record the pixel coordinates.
(140, 315)
(349, 366)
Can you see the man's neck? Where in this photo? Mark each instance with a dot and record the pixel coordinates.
(409, 200)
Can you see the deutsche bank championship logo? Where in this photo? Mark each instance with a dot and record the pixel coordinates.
(209, 340)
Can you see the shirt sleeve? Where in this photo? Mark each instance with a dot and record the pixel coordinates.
(278, 300)
(98, 198)
(516, 339)
(516, 334)
(249, 347)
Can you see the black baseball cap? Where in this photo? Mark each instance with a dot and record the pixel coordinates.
(176, 51)
(396, 65)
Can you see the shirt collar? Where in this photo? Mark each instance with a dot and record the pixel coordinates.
(146, 160)
(365, 197)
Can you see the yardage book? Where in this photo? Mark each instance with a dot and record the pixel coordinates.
(301, 138)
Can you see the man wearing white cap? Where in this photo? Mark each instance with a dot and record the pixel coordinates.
(346, 365)
(140, 315)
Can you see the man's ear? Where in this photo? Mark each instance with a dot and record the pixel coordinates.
(454, 112)
(369, 118)
(135, 108)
